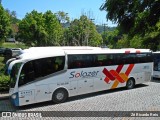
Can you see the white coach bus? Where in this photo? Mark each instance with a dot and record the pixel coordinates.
(58, 73)
(156, 66)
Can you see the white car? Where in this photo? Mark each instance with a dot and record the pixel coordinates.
(16, 51)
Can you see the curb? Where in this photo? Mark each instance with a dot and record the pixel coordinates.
(4, 96)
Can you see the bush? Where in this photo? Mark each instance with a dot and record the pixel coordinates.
(4, 83)
(1, 63)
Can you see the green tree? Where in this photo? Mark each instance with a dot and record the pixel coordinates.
(62, 17)
(14, 24)
(94, 39)
(83, 32)
(123, 42)
(137, 18)
(13, 16)
(152, 37)
(31, 29)
(38, 29)
(4, 24)
(64, 20)
(53, 29)
(132, 15)
(111, 38)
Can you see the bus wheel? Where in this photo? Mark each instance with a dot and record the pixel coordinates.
(59, 96)
(130, 83)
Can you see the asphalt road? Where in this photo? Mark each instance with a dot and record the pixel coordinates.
(144, 97)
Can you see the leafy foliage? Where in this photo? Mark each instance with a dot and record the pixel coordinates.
(137, 18)
(4, 80)
(38, 29)
(4, 24)
(1, 64)
(4, 83)
(62, 17)
(13, 17)
(53, 29)
(111, 38)
(83, 32)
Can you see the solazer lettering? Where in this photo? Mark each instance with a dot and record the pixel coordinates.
(75, 74)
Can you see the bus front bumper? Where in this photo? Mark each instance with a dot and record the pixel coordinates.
(15, 99)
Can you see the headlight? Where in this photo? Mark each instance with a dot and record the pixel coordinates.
(13, 96)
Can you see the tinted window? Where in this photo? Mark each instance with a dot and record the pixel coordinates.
(133, 58)
(80, 61)
(157, 62)
(40, 68)
(143, 58)
(96, 60)
(104, 60)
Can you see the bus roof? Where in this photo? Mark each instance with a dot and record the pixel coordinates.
(103, 51)
(157, 52)
(42, 52)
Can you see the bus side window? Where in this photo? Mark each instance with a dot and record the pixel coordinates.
(59, 62)
(27, 74)
(80, 61)
(140, 58)
(100, 60)
(71, 61)
(149, 57)
(37, 68)
(117, 59)
(48, 63)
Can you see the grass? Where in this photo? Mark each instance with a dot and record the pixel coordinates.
(14, 45)
(10, 45)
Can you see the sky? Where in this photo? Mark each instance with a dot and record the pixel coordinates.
(74, 8)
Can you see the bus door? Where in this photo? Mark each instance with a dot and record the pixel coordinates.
(26, 85)
(24, 93)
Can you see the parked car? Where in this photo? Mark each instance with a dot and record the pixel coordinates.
(12, 52)
(16, 51)
(8, 52)
(10, 40)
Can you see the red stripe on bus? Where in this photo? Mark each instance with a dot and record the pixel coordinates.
(119, 68)
(108, 74)
(130, 67)
(118, 77)
(107, 80)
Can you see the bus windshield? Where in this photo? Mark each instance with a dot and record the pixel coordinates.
(7, 71)
(14, 74)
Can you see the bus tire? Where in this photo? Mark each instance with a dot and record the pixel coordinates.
(60, 95)
(130, 83)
